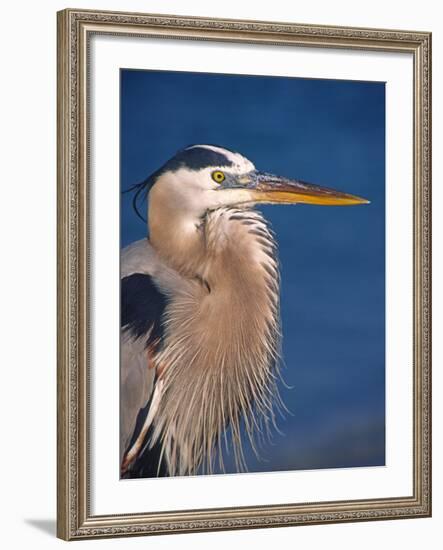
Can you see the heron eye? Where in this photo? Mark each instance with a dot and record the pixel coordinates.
(218, 176)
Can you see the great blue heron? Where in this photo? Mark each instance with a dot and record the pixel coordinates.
(200, 311)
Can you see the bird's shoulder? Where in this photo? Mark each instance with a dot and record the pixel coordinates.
(148, 285)
(139, 257)
(143, 300)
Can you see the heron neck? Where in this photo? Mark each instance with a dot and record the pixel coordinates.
(223, 245)
(222, 340)
(239, 251)
(231, 253)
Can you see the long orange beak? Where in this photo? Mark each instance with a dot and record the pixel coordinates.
(269, 188)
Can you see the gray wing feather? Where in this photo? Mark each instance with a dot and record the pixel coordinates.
(136, 385)
(136, 377)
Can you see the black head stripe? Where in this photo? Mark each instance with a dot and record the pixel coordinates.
(196, 158)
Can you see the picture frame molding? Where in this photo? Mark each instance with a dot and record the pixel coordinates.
(75, 29)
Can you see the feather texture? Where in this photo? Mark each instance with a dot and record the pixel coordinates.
(220, 346)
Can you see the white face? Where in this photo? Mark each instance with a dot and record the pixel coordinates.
(196, 191)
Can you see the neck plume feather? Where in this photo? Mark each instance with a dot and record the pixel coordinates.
(222, 345)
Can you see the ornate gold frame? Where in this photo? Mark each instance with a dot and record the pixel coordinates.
(74, 519)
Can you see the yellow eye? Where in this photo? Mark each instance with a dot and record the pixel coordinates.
(218, 176)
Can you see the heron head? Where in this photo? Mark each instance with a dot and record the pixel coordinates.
(201, 178)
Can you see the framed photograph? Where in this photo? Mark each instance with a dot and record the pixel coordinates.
(243, 274)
